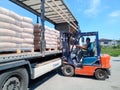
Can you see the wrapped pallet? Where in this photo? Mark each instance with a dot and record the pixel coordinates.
(16, 32)
(37, 36)
(51, 38)
(59, 41)
(27, 34)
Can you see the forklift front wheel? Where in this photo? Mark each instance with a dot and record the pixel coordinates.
(100, 74)
(68, 70)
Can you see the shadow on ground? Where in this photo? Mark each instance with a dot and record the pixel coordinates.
(39, 81)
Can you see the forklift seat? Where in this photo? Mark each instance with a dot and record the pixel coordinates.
(89, 60)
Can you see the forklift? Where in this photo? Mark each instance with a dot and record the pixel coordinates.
(76, 62)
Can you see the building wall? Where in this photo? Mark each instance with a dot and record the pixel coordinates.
(109, 43)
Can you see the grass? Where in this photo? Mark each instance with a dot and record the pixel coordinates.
(111, 51)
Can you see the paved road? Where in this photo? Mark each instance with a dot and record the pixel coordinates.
(55, 81)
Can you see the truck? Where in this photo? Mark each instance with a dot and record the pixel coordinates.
(17, 69)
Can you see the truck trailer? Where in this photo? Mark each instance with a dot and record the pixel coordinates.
(17, 69)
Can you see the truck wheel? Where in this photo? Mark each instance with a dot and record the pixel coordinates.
(68, 70)
(100, 74)
(14, 80)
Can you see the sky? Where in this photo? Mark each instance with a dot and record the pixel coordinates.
(92, 15)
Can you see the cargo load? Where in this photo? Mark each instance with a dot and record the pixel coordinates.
(16, 32)
(52, 38)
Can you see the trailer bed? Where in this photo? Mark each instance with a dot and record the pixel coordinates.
(27, 55)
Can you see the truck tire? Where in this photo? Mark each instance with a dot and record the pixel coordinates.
(68, 70)
(100, 74)
(14, 80)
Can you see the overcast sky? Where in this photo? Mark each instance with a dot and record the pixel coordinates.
(92, 15)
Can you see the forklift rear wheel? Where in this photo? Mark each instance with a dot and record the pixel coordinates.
(100, 74)
(68, 70)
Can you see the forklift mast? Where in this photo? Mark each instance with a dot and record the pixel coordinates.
(66, 42)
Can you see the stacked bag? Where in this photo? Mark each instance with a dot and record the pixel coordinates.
(16, 32)
(37, 37)
(27, 34)
(52, 38)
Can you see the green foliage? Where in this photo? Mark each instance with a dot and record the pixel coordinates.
(111, 51)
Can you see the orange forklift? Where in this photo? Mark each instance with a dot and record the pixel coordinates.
(77, 62)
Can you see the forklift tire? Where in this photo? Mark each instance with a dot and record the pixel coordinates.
(68, 70)
(14, 80)
(100, 74)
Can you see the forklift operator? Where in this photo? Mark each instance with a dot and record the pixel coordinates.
(88, 47)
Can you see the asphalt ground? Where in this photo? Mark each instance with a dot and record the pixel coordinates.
(56, 81)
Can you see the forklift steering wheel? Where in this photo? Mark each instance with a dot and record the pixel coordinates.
(78, 50)
(79, 54)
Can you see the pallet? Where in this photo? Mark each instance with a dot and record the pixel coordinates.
(17, 51)
(25, 50)
(48, 49)
(51, 49)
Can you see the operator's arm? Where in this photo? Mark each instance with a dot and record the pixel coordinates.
(82, 47)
